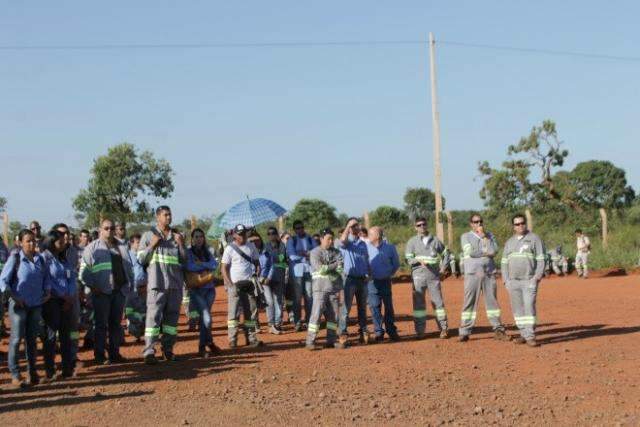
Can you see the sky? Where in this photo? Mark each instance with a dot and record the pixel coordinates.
(347, 124)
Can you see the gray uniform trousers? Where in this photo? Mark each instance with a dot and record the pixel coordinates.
(423, 281)
(163, 311)
(523, 304)
(474, 284)
(582, 258)
(135, 311)
(237, 301)
(325, 302)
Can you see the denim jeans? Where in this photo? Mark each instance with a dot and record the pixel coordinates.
(202, 300)
(108, 309)
(25, 324)
(302, 290)
(62, 324)
(357, 287)
(273, 293)
(380, 293)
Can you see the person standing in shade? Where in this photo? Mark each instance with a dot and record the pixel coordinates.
(240, 266)
(275, 282)
(298, 248)
(479, 248)
(23, 277)
(356, 276)
(522, 270)
(163, 253)
(107, 271)
(428, 258)
(383, 264)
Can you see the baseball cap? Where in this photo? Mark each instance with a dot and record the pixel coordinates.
(239, 229)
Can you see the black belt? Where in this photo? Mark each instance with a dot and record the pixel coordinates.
(356, 277)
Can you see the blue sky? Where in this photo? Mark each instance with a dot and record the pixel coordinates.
(348, 124)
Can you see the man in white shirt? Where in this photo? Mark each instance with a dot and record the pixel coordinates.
(582, 256)
(240, 264)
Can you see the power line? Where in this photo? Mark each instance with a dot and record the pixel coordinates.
(127, 46)
(541, 51)
(296, 44)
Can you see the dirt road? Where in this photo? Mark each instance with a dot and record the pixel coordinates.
(587, 371)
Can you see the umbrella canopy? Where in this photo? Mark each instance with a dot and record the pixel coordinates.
(216, 231)
(251, 212)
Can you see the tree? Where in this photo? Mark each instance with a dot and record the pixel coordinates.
(600, 184)
(511, 188)
(386, 216)
(3, 204)
(420, 202)
(14, 228)
(121, 184)
(315, 214)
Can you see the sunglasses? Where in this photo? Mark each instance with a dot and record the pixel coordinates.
(36, 228)
(422, 224)
(271, 233)
(108, 228)
(299, 228)
(518, 224)
(477, 222)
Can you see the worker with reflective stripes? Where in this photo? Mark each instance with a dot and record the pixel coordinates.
(164, 255)
(427, 256)
(136, 307)
(106, 270)
(522, 269)
(558, 263)
(240, 266)
(582, 256)
(479, 247)
(326, 273)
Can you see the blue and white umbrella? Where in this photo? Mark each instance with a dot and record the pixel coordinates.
(251, 212)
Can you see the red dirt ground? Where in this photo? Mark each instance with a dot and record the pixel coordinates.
(587, 371)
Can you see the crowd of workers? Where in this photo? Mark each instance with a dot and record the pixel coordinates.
(56, 285)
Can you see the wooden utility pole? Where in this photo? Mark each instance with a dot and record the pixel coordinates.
(435, 115)
(5, 230)
(449, 229)
(365, 217)
(605, 228)
(527, 213)
(194, 222)
(281, 224)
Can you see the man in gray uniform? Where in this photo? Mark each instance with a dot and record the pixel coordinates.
(428, 257)
(522, 270)
(163, 253)
(558, 262)
(326, 272)
(240, 265)
(479, 247)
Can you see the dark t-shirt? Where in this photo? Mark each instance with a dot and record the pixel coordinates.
(117, 269)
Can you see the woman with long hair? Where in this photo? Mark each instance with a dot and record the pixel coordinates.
(201, 260)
